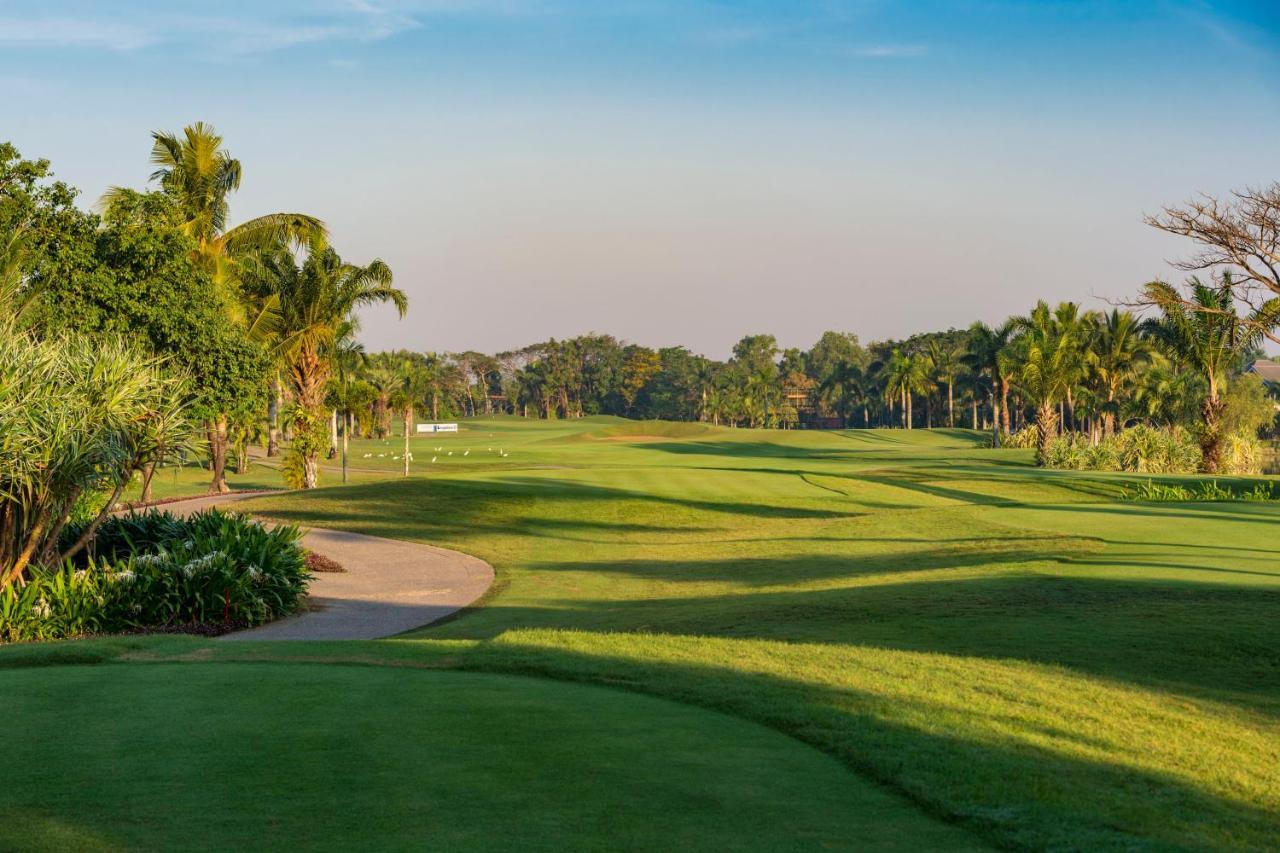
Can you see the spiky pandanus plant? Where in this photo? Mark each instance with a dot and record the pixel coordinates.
(316, 298)
(76, 422)
(1203, 330)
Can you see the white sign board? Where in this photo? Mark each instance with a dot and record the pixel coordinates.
(437, 427)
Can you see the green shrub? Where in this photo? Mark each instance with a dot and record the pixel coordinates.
(1140, 448)
(1025, 438)
(1206, 491)
(1241, 454)
(154, 570)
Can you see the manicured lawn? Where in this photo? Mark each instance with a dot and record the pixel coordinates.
(1014, 653)
(338, 757)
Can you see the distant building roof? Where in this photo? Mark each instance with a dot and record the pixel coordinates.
(1268, 370)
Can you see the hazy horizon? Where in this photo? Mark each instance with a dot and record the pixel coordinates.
(680, 173)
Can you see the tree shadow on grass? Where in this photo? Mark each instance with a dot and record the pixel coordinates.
(1020, 783)
(1212, 640)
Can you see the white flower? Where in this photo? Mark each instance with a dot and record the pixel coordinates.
(125, 576)
(41, 610)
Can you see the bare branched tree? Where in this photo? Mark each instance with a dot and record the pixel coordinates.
(1238, 235)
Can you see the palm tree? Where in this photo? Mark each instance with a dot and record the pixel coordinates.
(1204, 332)
(982, 356)
(315, 299)
(946, 365)
(348, 354)
(1047, 353)
(198, 172)
(842, 388)
(413, 385)
(1115, 353)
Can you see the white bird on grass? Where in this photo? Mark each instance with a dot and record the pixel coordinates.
(433, 459)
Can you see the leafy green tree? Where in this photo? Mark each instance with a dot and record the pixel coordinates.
(1203, 330)
(641, 365)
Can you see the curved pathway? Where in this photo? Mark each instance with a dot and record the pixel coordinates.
(389, 586)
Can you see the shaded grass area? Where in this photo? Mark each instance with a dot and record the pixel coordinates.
(1016, 652)
(288, 756)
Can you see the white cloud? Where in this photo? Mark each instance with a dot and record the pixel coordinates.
(73, 32)
(242, 26)
(890, 51)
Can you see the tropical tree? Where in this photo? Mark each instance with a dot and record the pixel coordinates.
(983, 357)
(77, 419)
(1047, 356)
(1203, 330)
(1115, 353)
(843, 388)
(316, 297)
(198, 173)
(945, 357)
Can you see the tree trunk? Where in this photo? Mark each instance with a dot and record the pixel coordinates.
(973, 404)
(346, 437)
(995, 420)
(1046, 429)
(1211, 438)
(273, 418)
(408, 418)
(310, 472)
(951, 404)
(217, 431)
(148, 473)
(435, 406)
(1004, 404)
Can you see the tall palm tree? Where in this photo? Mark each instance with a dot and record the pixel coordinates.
(1204, 331)
(982, 356)
(315, 299)
(413, 385)
(1115, 353)
(1048, 350)
(200, 174)
(348, 355)
(946, 366)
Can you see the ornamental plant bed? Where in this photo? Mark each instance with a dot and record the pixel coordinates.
(320, 563)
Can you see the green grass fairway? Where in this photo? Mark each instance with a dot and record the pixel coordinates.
(1012, 656)
(350, 758)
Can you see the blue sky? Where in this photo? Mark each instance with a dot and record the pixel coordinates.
(680, 172)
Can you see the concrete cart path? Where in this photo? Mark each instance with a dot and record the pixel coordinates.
(388, 587)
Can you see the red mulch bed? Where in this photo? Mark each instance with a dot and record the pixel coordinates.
(320, 563)
(198, 629)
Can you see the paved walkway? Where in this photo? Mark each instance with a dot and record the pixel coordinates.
(388, 587)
